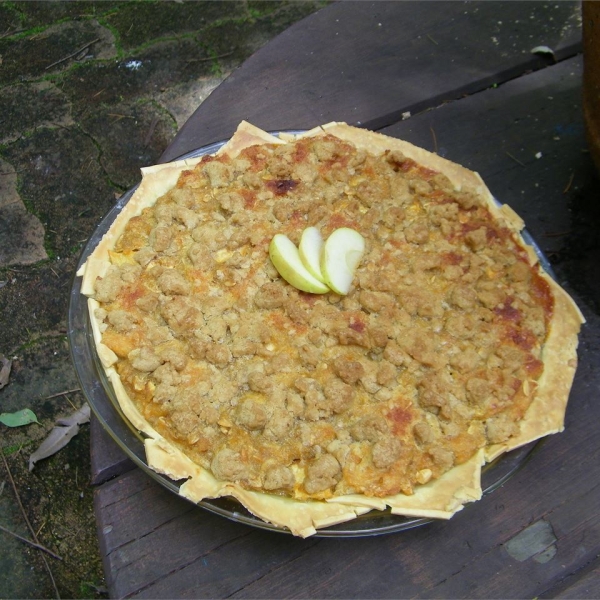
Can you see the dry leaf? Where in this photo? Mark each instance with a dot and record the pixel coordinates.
(4, 370)
(77, 418)
(60, 435)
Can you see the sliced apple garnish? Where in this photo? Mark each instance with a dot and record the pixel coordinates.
(286, 259)
(310, 248)
(341, 255)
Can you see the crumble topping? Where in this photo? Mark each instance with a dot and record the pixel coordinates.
(433, 354)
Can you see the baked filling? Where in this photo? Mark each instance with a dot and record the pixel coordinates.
(436, 352)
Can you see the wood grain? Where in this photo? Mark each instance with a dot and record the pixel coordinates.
(367, 63)
(107, 459)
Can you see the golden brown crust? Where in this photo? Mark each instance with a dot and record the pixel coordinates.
(439, 498)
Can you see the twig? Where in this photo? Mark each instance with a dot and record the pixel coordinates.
(8, 32)
(72, 55)
(435, 144)
(432, 39)
(515, 159)
(40, 529)
(12, 482)
(206, 59)
(69, 401)
(557, 233)
(61, 394)
(38, 546)
(570, 183)
(119, 116)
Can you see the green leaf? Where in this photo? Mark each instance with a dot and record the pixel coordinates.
(19, 418)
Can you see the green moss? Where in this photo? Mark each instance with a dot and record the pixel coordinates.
(143, 22)
(13, 449)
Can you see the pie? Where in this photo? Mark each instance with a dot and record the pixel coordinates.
(452, 346)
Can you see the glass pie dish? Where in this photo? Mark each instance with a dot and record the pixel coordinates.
(103, 401)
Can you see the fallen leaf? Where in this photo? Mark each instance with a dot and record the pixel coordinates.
(4, 370)
(79, 417)
(19, 418)
(64, 430)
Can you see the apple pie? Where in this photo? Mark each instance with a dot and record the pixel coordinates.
(451, 347)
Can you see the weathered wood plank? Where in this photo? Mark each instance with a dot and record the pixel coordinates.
(369, 62)
(583, 584)
(107, 459)
(230, 566)
(132, 506)
(505, 573)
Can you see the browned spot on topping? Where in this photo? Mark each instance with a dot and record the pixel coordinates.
(471, 226)
(296, 216)
(523, 338)
(280, 187)
(543, 294)
(425, 173)
(534, 366)
(400, 418)
(338, 221)
(257, 157)
(356, 325)
(507, 311)
(405, 164)
(249, 198)
(300, 153)
(186, 177)
(131, 296)
(452, 258)
(308, 298)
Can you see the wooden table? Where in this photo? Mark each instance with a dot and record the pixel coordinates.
(461, 80)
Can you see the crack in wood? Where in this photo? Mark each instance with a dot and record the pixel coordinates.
(150, 532)
(570, 579)
(470, 89)
(118, 500)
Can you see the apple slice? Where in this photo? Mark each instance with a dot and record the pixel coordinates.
(342, 252)
(310, 247)
(286, 259)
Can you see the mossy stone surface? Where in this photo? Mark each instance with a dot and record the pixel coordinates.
(44, 53)
(138, 24)
(26, 106)
(132, 135)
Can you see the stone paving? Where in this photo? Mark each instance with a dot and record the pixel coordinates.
(89, 93)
